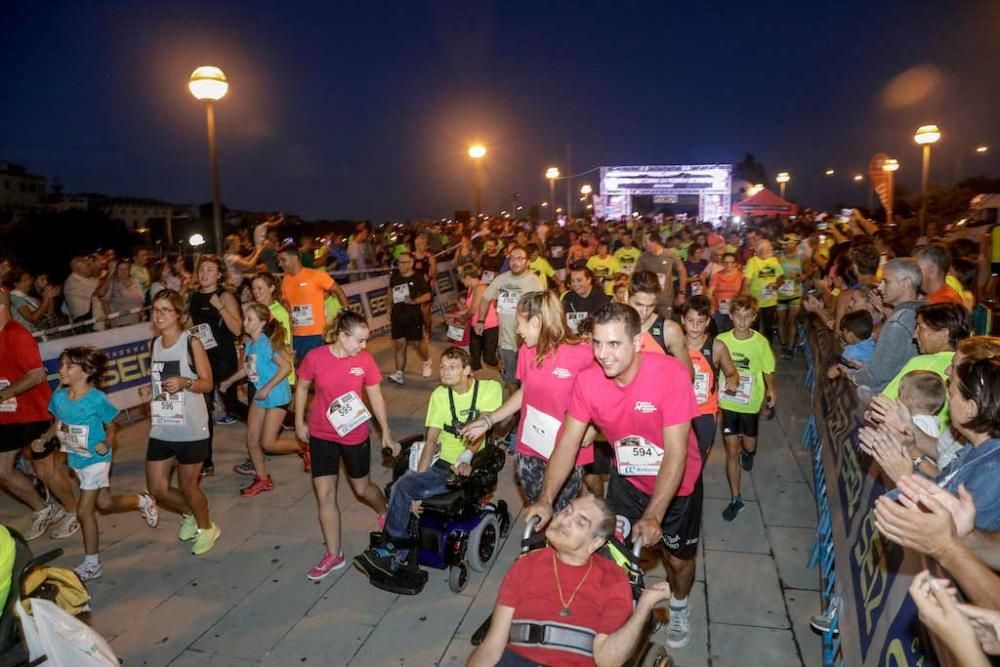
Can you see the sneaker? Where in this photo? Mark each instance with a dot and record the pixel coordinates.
(734, 507)
(258, 486)
(205, 540)
(327, 564)
(40, 522)
(208, 471)
(147, 505)
(679, 627)
(65, 525)
(378, 559)
(306, 454)
(426, 371)
(86, 572)
(746, 459)
(245, 468)
(189, 528)
(397, 377)
(225, 419)
(380, 522)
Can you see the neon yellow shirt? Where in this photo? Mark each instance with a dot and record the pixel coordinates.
(762, 273)
(605, 269)
(753, 359)
(627, 257)
(543, 270)
(489, 398)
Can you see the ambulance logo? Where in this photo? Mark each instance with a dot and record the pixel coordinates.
(645, 407)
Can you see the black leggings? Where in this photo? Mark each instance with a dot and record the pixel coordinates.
(767, 319)
(484, 348)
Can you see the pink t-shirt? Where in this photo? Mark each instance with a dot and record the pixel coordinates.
(660, 395)
(547, 390)
(491, 314)
(332, 378)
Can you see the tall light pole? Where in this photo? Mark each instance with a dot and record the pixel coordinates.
(925, 136)
(208, 84)
(477, 152)
(889, 167)
(782, 179)
(552, 173)
(585, 192)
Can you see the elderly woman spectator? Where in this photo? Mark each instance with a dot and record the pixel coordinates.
(36, 314)
(122, 292)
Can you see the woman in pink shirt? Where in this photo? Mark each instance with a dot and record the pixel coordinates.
(547, 366)
(338, 425)
(482, 347)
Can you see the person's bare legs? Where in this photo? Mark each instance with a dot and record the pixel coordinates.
(53, 474)
(255, 427)
(17, 483)
(733, 469)
(189, 478)
(270, 440)
(325, 489)
(158, 483)
(368, 493)
(400, 351)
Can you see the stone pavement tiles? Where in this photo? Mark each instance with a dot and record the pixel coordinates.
(247, 602)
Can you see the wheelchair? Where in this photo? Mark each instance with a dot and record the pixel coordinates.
(459, 530)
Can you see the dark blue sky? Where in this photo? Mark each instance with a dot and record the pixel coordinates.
(366, 109)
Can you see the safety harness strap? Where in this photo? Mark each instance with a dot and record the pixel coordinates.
(557, 636)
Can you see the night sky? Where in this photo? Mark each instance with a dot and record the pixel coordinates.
(365, 110)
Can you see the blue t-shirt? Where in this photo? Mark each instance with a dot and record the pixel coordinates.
(862, 351)
(81, 425)
(258, 359)
(978, 469)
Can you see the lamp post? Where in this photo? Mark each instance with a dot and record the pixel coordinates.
(552, 173)
(782, 179)
(477, 152)
(889, 167)
(925, 136)
(208, 84)
(585, 192)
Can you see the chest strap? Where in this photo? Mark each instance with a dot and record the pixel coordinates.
(552, 635)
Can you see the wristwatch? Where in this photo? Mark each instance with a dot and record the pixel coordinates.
(188, 384)
(918, 460)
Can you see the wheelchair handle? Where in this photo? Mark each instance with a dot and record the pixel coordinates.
(530, 527)
(637, 546)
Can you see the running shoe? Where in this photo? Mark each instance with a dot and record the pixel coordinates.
(397, 377)
(41, 520)
(189, 528)
(378, 559)
(87, 571)
(306, 454)
(65, 525)
(245, 468)
(426, 371)
(208, 471)
(746, 459)
(147, 506)
(257, 487)
(225, 419)
(734, 507)
(205, 540)
(326, 565)
(679, 627)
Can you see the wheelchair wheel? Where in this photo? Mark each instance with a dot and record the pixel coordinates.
(458, 577)
(483, 545)
(655, 656)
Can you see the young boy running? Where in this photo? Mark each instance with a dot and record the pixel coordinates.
(754, 360)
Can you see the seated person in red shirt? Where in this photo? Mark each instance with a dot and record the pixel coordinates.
(566, 604)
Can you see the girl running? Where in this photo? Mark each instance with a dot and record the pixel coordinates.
(267, 364)
(86, 430)
(337, 427)
(181, 375)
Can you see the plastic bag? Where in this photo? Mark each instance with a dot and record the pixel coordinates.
(64, 640)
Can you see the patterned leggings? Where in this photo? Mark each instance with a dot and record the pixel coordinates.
(530, 471)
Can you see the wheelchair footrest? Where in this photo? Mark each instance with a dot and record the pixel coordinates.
(404, 582)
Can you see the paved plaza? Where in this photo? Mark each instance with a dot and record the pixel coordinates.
(248, 602)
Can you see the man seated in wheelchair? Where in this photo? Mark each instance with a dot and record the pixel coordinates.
(565, 604)
(459, 400)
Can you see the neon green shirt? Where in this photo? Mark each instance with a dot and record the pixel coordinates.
(605, 269)
(627, 257)
(543, 270)
(279, 313)
(938, 363)
(762, 273)
(753, 359)
(489, 398)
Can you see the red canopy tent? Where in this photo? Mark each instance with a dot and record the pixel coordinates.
(765, 203)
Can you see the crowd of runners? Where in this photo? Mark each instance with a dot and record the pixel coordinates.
(610, 353)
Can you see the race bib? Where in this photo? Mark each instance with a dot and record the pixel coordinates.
(347, 412)
(167, 410)
(696, 288)
(456, 333)
(250, 365)
(638, 457)
(767, 293)
(701, 386)
(787, 288)
(73, 438)
(539, 431)
(573, 320)
(507, 301)
(10, 405)
(628, 269)
(742, 395)
(488, 277)
(401, 293)
(302, 315)
(203, 332)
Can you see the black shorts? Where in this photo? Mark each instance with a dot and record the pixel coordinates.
(704, 429)
(186, 453)
(410, 329)
(326, 455)
(681, 524)
(18, 436)
(602, 458)
(739, 423)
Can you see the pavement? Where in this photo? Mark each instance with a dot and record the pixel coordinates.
(248, 602)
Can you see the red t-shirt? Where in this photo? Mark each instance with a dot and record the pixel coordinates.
(603, 603)
(945, 294)
(332, 378)
(547, 390)
(19, 354)
(660, 395)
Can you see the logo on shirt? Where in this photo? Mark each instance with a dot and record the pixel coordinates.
(357, 370)
(562, 373)
(645, 407)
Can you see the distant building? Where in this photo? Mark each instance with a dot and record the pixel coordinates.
(136, 213)
(19, 190)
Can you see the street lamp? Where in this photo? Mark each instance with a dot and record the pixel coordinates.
(208, 84)
(889, 166)
(925, 136)
(858, 178)
(782, 179)
(829, 172)
(982, 149)
(477, 152)
(552, 173)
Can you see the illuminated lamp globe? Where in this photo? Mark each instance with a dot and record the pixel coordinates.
(783, 177)
(552, 173)
(892, 164)
(927, 134)
(586, 190)
(208, 83)
(478, 151)
(196, 240)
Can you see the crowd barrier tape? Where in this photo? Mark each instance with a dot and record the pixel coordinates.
(876, 619)
(127, 348)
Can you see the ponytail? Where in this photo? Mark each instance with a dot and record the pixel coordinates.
(346, 321)
(274, 330)
(548, 308)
